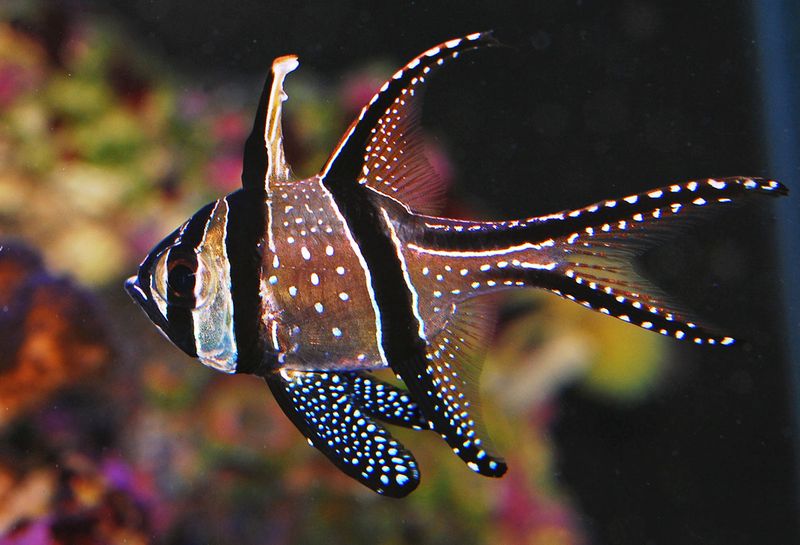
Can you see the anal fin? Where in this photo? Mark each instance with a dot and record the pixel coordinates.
(445, 385)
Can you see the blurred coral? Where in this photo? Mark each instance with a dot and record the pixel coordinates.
(552, 343)
(76, 501)
(91, 143)
(53, 334)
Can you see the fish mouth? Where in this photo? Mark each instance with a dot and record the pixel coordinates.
(135, 290)
(142, 298)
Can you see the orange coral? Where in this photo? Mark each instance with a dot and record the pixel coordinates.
(52, 334)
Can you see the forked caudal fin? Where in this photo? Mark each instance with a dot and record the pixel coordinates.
(587, 255)
(596, 267)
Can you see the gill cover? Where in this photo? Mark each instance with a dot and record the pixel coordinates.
(185, 284)
(184, 287)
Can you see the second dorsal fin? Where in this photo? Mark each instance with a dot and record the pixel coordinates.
(264, 159)
(383, 148)
(395, 159)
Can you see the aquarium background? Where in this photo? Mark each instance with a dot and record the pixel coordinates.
(119, 119)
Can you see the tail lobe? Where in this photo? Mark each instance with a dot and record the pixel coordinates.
(588, 253)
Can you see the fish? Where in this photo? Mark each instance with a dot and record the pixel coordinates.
(315, 284)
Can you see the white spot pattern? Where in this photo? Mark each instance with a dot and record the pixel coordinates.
(338, 413)
(341, 422)
(313, 274)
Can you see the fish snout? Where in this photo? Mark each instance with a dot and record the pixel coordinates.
(135, 290)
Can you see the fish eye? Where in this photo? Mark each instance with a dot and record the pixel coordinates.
(185, 281)
(180, 280)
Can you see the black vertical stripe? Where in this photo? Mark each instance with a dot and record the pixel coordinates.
(243, 244)
(399, 326)
(402, 345)
(179, 310)
(144, 281)
(404, 349)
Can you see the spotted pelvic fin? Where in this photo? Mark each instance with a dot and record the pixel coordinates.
(264, 160)
(386, 402)
(336, 413)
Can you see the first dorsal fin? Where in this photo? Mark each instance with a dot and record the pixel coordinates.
(382, 148)
(264, 160)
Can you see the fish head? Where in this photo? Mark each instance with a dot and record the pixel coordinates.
(184, 287)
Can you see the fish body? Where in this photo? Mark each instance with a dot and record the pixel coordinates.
(314, 283)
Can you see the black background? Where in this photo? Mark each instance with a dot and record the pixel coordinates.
(593, 100)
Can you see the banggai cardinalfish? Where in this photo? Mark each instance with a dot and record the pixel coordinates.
(313, 283)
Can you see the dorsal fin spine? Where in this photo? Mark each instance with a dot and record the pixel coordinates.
(278, 170)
